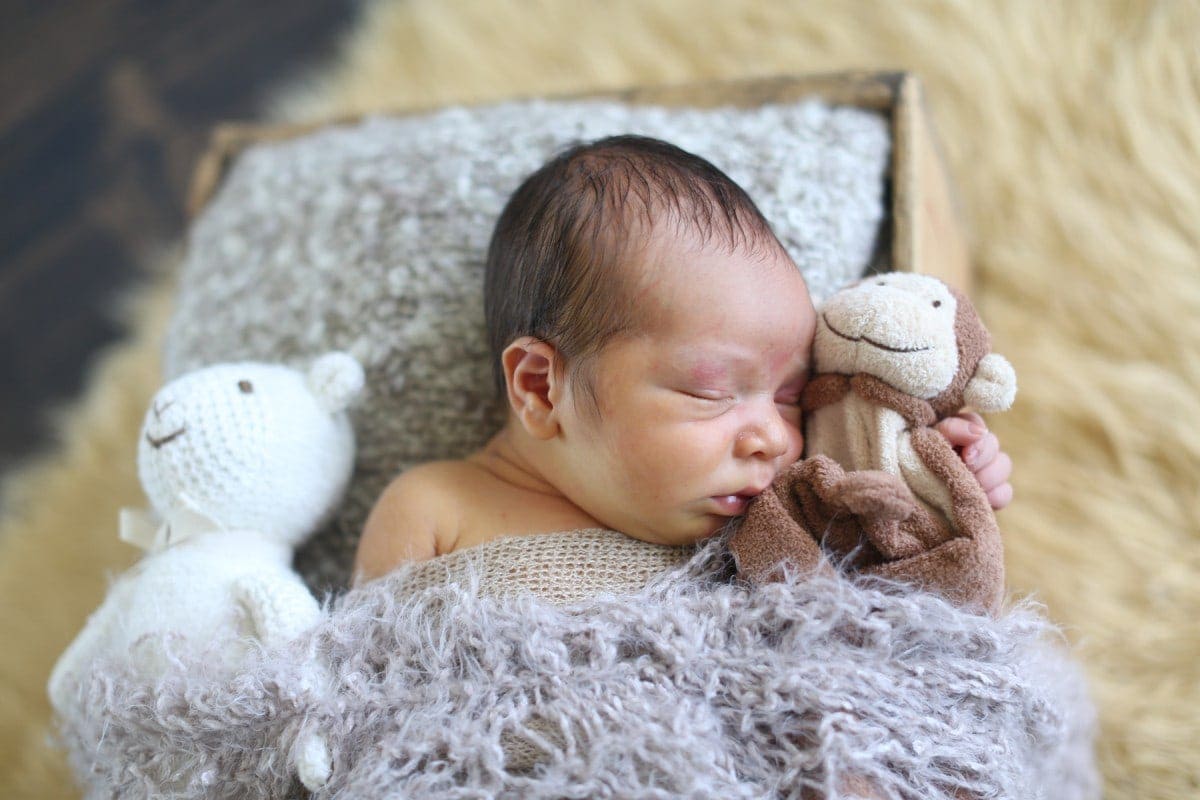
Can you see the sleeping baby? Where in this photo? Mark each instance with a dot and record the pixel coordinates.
(652, 338)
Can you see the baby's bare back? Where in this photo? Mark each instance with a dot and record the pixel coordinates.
(446, 506)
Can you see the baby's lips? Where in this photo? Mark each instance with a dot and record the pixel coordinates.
(734, 505)
(731, 505)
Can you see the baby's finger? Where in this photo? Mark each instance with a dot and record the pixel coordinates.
(960, 431)
(995, 473)
(1001, 496)
(972, 417)
(982, 452)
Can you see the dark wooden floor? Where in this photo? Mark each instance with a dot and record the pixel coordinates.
(104, 107)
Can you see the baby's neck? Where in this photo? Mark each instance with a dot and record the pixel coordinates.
(508, 459)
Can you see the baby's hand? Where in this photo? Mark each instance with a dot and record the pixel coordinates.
(980, 450)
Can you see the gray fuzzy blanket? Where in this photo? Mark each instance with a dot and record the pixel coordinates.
(695, 686)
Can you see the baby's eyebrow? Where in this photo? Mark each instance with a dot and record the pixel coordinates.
(707, 371)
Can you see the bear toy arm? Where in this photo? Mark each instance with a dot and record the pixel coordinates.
(280, 609)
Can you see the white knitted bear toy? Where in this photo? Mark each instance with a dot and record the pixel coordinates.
(240, 462)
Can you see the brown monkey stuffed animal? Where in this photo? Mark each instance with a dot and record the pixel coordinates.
(881, 491)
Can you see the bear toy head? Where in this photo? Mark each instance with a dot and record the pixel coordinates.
(252, 446)
(919, 336)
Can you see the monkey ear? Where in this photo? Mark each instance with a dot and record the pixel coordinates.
(993, 387)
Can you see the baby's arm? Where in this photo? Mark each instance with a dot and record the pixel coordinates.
(402, 526)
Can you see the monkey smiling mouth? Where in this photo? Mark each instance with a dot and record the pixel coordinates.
(157, 443)
(872, 342)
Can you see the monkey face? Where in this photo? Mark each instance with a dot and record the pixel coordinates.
(899, 327)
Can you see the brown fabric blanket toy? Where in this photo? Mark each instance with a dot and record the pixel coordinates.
(881, 492)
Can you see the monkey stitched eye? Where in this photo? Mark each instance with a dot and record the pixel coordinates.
(246, 387)
(937, 303)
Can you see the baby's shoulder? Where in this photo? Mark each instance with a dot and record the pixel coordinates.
(416, 517)
(430, 485)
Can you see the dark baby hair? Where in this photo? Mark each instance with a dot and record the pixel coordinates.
(553, 264)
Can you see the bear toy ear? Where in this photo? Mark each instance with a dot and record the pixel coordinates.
(336, 379)
(993, 387)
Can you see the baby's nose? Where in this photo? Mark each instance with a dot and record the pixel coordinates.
(766, 436)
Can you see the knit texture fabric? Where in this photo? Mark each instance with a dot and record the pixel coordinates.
(370, 238)
(692, 686)
(559, 568)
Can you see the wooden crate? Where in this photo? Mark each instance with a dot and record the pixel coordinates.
(924, 232)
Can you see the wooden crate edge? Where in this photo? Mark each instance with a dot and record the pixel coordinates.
(928, 234)
(866, 89)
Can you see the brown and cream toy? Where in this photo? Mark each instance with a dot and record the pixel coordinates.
(880, 491)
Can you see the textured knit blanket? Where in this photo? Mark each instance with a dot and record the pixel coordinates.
(460, 679)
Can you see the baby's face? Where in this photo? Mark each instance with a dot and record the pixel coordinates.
(699, 410)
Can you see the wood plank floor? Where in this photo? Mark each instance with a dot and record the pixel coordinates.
(104, 107)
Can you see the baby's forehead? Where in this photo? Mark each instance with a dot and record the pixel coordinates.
(654, 261)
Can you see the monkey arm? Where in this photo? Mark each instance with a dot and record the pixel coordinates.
(921, 479)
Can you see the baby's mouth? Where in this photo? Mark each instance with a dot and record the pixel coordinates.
(734, 505)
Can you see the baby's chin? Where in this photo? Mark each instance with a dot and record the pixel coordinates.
(693, 530)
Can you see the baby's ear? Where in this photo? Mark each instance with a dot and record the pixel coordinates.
(993, 387)
(530, 369)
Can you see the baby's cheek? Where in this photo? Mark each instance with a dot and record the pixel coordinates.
(658, 463)
(633, 457)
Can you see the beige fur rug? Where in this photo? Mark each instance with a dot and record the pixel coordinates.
(1073, 131)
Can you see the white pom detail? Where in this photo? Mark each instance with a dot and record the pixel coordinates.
(336, 379)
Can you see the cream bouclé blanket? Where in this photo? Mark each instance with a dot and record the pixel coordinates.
(461, 677)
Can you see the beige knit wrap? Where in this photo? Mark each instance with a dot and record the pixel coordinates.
(559, 568)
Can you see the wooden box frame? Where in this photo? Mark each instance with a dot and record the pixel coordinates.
(923, 232)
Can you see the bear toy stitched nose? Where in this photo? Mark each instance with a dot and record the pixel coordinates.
(174, 429)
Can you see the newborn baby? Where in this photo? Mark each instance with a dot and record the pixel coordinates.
(652, 338)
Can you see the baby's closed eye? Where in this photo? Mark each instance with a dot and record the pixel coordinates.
(790, 393)
(712, 395)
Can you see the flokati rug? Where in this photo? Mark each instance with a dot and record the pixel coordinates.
(440, 686)
(1071, 130)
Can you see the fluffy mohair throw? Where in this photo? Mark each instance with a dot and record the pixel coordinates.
(370, 238)
(694, 686)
